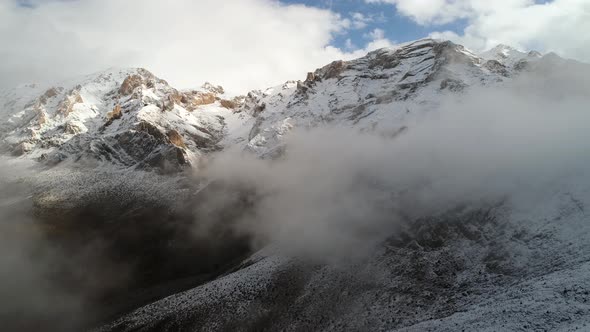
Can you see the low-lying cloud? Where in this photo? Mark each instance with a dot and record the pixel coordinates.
(337, 191)
(73, 239)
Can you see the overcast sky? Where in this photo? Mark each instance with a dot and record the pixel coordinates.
(248, 44)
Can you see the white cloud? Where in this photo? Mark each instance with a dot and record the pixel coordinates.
(558, 26)
(360, 21)
(427, 11)
(446, 11)
(349, 45)
(241, 44)
(375, 34)
(377, 40)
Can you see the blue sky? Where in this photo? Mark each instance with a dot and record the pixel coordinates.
(396, 27)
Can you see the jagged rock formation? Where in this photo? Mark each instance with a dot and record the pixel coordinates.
(101, 116)
(383, 91)
(376, 92)
(129, 118)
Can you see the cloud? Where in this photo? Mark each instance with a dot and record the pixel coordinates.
(60, 258)
(337, 192)
(375, 34)
(348, 44)
(26, 261)
(426, 11)
(557, 26)
(545, 26)
(446, 11)
(241, 44)
(377, 40)
(360, 20)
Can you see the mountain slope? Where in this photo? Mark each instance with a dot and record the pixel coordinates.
(515, 263)
(479, 270)
(131, 118)
(125, 117)
(383, 92)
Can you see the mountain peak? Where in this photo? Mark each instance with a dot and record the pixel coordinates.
(97, 115)
(125, 116)
(509, 56)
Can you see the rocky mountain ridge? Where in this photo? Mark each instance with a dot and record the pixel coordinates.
(382, 92)
(131, 118)
(127, 117)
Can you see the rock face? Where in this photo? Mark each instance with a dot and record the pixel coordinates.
(378, 92)
(97, 117)
(103, 117)
(129, 84)
(113, 115)
(381, 92)
(176, 139)
(67, 105)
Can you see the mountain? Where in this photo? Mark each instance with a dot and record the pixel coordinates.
(379, 92)
(502, 264)
(127, 117)
(477, 267)
(130, 118)
(510, 56)
(470, 270)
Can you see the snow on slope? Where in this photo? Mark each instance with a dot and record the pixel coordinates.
(126, 117)
(383, 92)
(509, 56)
(476, 270)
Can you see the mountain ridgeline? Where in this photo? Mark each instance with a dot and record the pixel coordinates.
(130, 118)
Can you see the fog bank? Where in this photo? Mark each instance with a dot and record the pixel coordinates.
(336, 191)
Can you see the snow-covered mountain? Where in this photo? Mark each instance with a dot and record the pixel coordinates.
(510, 56)
(383, 92)
(131, 118)
(126, 117)
(495, 266)
(485, 268)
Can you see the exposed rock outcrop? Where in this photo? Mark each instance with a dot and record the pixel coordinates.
(176, 139)
(130, 83)
(115, 113)
(74, 128)
(229, 104)
(452, 85)
(496, 67)
(41, 114)
(215, 89)
(121, 122)
(67, 105)
(50, 93)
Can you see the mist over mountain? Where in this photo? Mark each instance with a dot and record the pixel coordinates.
(422, 187)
